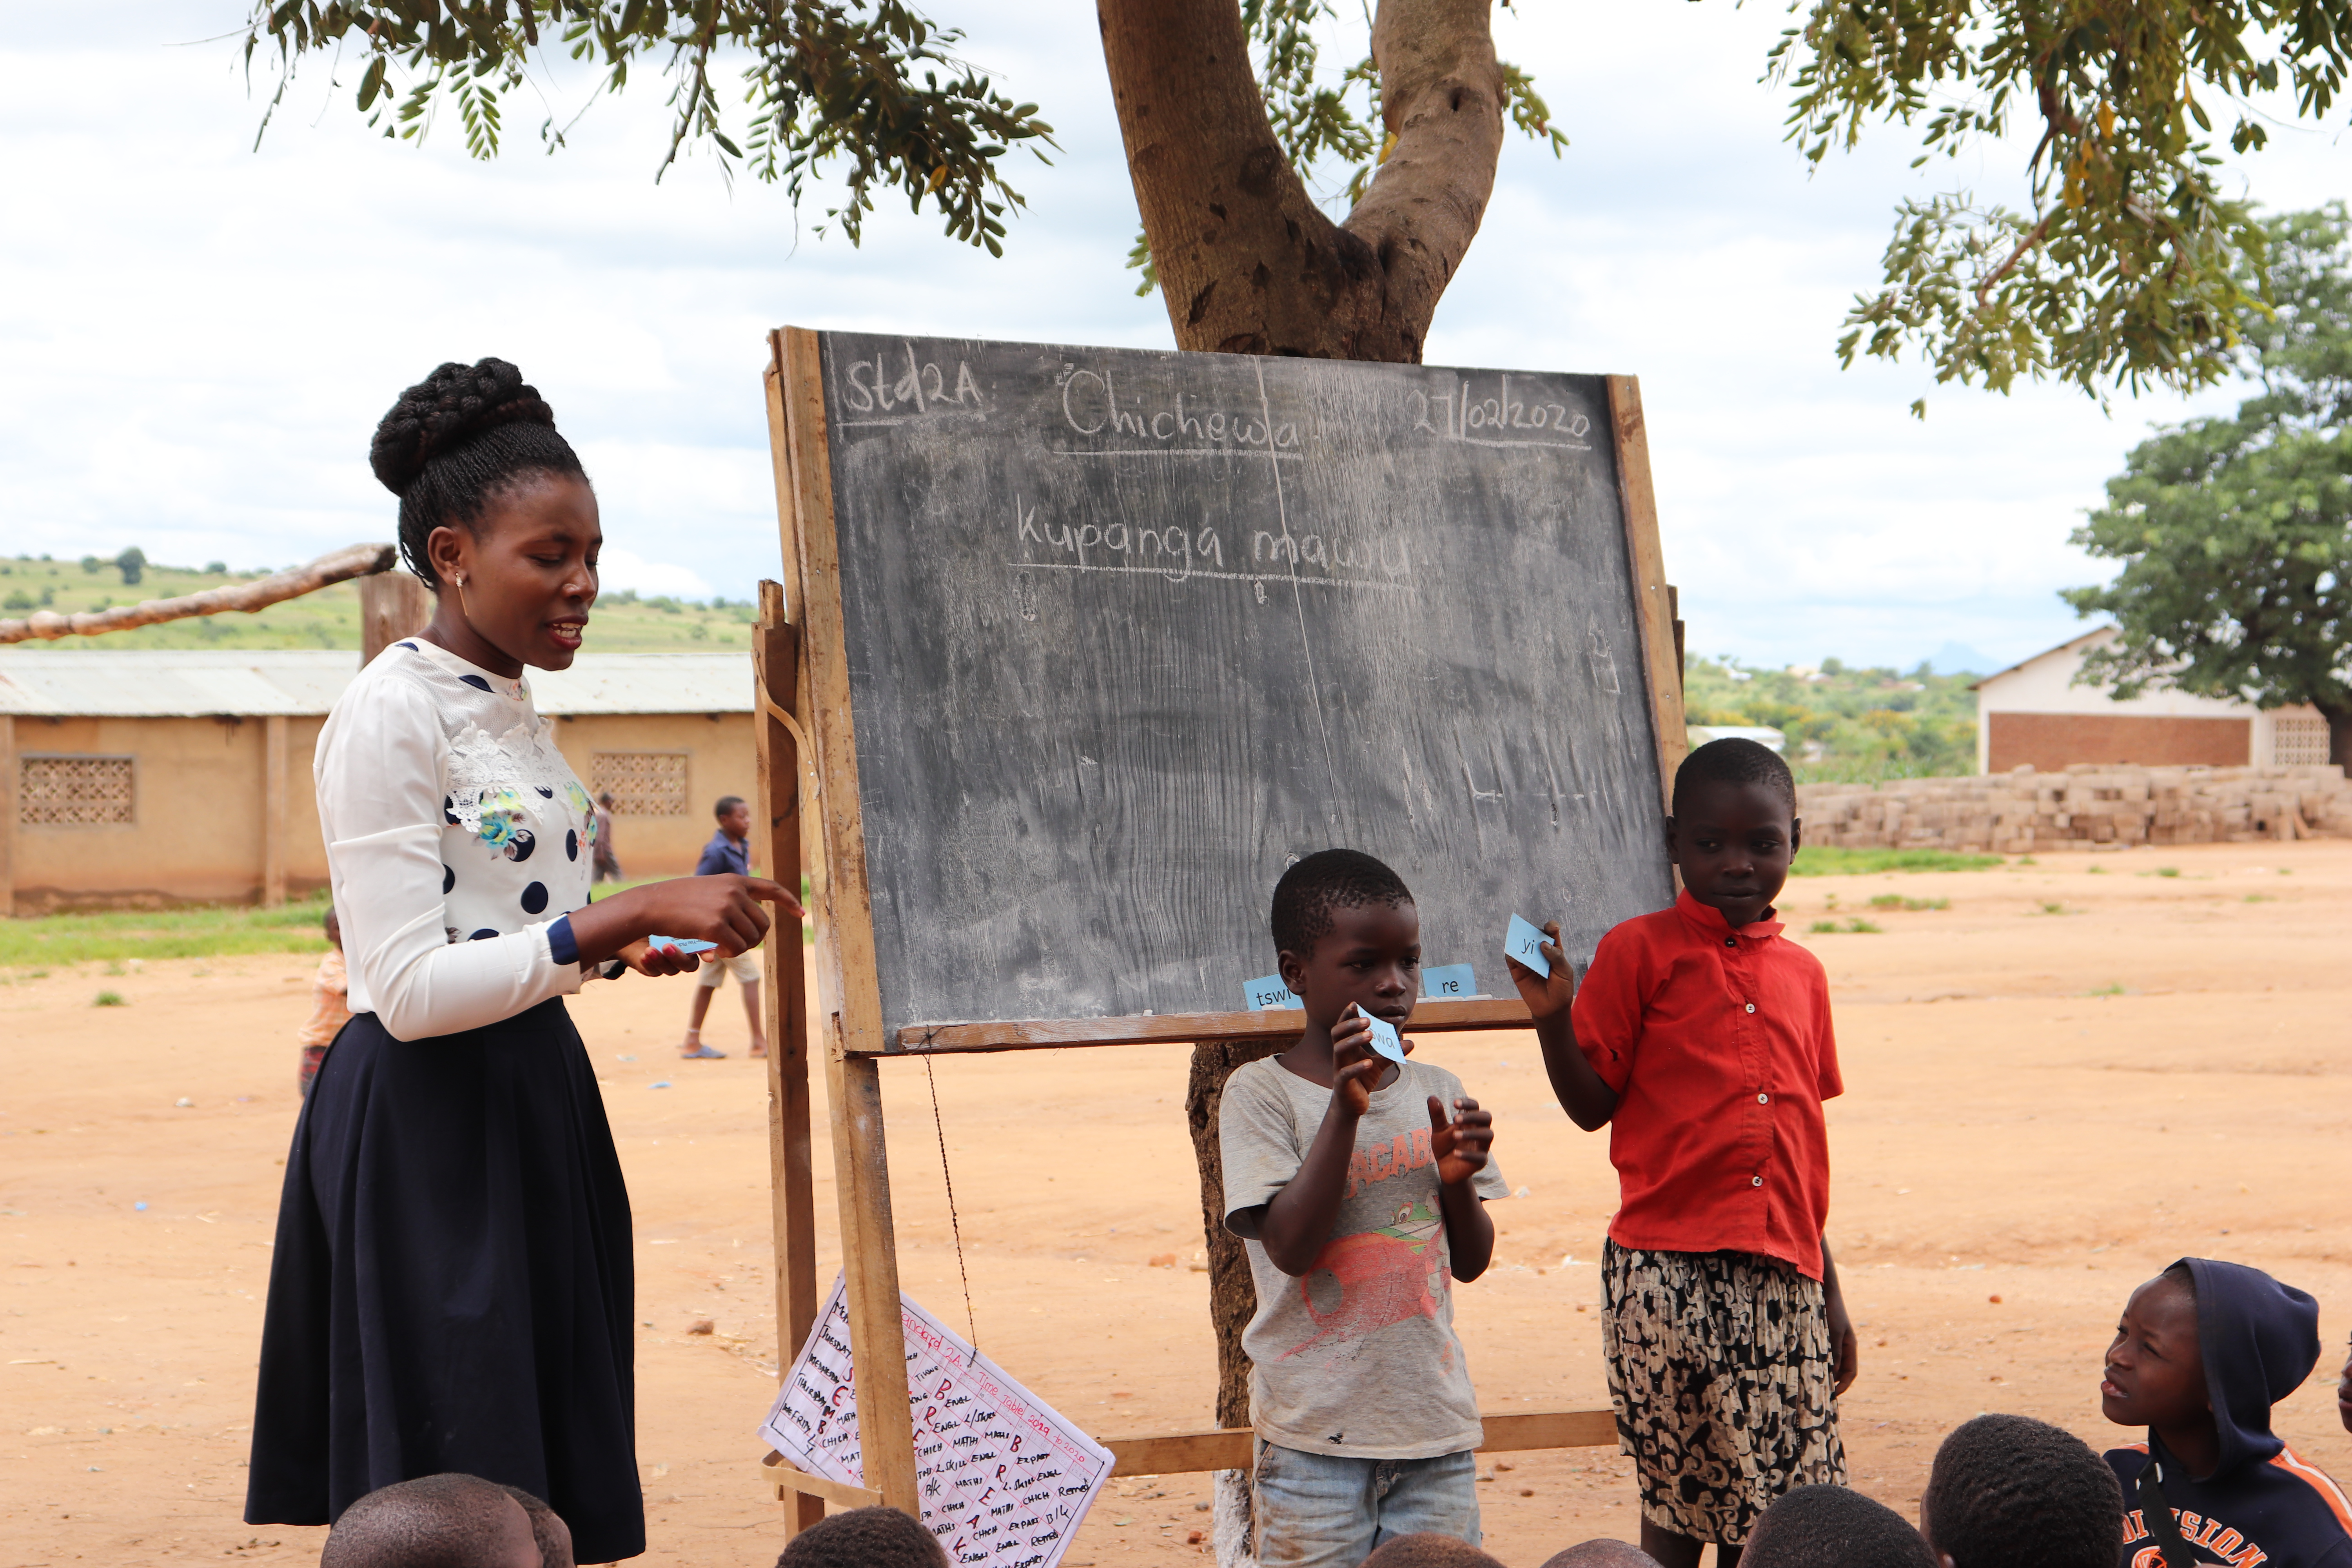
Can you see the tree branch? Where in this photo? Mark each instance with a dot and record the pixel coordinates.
(1247, 262)
(352, 561)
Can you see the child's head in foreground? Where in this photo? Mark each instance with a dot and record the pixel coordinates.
(2203, 1351)
(865, 1538)
(1346, 930)
(1735, 826)
(1426, 1549)
(1833, 1526)
(2009, 1491)
(434, 1522)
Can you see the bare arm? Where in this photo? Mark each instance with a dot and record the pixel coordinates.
(1845, 1345)
(723, 909)
(1589, 1101)
(1461, 1147)
(1297, 1224)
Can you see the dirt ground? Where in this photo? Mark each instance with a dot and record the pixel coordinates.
(2078, 1070)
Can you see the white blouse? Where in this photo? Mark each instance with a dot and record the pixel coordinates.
(456, 835)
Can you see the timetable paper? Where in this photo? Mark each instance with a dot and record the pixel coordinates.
(1005, 1480)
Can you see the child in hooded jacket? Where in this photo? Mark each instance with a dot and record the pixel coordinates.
(2204, 1350)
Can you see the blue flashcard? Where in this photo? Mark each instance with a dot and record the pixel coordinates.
(1449, 980)
(683, 943)
(1525, 942)
(1268, 992)
(1386, 1041)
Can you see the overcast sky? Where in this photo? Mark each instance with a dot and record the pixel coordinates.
(197, 337)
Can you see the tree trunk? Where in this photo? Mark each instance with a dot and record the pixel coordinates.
(1247, 262)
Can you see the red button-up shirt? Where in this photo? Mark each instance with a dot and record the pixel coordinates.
(1718, 1045)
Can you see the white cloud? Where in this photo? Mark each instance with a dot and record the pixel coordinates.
(197, 339)
(625, 569)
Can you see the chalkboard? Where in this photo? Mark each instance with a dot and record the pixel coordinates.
(1121, 634)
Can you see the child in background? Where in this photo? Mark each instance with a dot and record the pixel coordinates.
(1701, 1038)
(2009, 1491)
(1356, 1196)
(2204, 1350)
(729, 849)
(328, 992)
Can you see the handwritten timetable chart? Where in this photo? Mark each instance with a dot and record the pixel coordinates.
(1004, 1480)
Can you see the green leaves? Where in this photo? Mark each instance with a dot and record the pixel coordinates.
(2235, 534)
(2128, 266)
(823, 83)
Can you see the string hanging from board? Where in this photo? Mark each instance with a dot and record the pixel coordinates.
(955, 1225)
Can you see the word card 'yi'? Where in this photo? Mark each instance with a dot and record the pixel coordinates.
(1004, 1480)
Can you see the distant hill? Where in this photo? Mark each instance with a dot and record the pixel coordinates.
(621, 623)
(1842, 723)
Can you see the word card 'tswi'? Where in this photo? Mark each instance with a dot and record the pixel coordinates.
(1268, 991)
(1525, 942)
(1005, 1480)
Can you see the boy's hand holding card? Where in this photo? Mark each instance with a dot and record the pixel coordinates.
(1460, 1145)
(1539, 968)
(1359, 1042)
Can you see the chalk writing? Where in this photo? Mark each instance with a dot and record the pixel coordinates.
(1504, 418)
(972, 1422)
(1091, 405)
(1180, 554)
(904, 387)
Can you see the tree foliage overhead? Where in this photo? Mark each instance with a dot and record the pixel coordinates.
(2236, 534)
(872, 83)
(2129, 263)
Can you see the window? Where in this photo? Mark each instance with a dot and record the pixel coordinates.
(73, 792)
(643, 784)
(2297, 741)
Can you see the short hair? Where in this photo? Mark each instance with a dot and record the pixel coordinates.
(2009, 1491)
(1326, 880)
(1427, 1549)
(457, 439)
(865, 1538)
(434, 1522)
(547, 1528)
(1831, 1527)
(1601, 1553)
(1735, 759)
(727, 802)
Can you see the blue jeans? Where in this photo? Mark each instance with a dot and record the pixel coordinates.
(1329, 1511)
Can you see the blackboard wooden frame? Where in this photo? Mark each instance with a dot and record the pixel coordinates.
(808, 757)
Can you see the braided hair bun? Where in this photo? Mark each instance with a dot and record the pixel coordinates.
(453, 441)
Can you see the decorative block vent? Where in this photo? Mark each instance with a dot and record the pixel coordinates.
(643, 784)
(73, 792)
(2298, 740)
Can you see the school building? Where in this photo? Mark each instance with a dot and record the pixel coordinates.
(2033, 715)
(141, 779)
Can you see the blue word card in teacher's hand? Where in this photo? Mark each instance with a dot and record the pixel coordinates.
(1525, 942)
(1268, 992)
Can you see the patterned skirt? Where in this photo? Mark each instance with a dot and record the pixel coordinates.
(1723, 1376)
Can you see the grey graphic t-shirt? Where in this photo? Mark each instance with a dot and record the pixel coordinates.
(1359, 1355)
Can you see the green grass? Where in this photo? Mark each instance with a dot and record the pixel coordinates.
(1833, 861)
(1897, 901)
(2114, 989)
(1851, 928)
(108, 999)
(198, 932)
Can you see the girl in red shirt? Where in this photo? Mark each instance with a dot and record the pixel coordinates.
(1701, 1039)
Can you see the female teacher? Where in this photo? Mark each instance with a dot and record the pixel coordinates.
(452, 1283)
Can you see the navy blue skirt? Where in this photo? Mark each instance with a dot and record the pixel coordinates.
(453, 1282)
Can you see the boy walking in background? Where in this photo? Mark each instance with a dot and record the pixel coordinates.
(729, 850)
(1357, 1195)
(2202, 1353)
(1701, 1038)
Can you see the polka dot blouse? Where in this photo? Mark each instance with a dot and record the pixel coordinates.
(457, 839)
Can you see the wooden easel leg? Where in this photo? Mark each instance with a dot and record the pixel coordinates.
(869, 1255)
(792, 1177)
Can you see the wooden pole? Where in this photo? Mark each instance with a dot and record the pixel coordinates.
(849, 997)
(336, 566)
(1653, 602)
(7, 817)
(790, 1165)
(273, 811)
(392, 605)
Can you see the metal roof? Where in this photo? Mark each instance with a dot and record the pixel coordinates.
(156, 683)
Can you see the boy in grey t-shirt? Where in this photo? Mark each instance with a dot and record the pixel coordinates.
(1360, 1199)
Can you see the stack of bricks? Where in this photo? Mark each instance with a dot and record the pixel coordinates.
(2021, 811)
